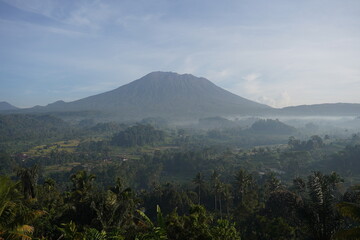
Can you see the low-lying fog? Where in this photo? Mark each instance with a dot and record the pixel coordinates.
(305, 125)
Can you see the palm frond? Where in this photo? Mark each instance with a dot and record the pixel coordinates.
(146, 218)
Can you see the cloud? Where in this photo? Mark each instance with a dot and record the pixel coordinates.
(277, 100)
(43, 7)
(278, 53)
(254, 87)
(92, 15)
(252, 84)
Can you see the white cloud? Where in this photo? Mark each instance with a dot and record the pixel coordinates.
(254, 87)
(277, 100)
(252, 84)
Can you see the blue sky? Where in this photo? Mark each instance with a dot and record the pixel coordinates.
(280, 52)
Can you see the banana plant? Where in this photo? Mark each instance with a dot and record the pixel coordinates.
(157, 231)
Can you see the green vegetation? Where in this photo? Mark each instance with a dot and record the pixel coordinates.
(138, 135)
(22, 131)
(139, 181)
(270, 126)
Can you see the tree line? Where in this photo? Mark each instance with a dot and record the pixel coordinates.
(246, 207)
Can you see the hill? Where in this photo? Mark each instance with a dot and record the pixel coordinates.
(5, 106)
(269, 126)
(24, 129)
(162, 94)
(326, 109)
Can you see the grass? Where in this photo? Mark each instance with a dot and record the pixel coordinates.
(68, 146)
(61, 167)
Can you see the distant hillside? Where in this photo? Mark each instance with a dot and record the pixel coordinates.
(5, 106)
(326, 109)
(162, 94)
(22, 128)
(270, 126)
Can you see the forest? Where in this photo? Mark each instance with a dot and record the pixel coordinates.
(215, 179)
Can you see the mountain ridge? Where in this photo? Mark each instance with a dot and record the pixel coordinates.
(171, 95)
(324, 109)
(5, 106)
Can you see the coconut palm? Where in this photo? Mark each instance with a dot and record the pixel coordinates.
(243, 182)
(82, 184)
(28, 177)
(214, 185)
(317, 207)
(115, 209)
(199, 182)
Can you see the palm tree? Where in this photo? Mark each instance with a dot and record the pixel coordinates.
(116, 207)
(214, 184)
(220, 190)
(28, 177)
(243, 181)
(82, 184)
(199, 181)
(227, 197)
(272, 184)
(80, 198)
(317, 207)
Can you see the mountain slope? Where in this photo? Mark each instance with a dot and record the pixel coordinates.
(164, 94)
(326, 109)
(5, 106)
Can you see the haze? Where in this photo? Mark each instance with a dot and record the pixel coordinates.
(280, 53)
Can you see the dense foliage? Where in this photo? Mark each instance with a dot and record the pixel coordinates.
(21, 130)
(138, 135)
(30, 127)
(135, 181)
(247, 207)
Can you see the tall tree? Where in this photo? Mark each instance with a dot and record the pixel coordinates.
(215, 186)
(80, 198)
(272, 183)
(116, 207)
(317, 207)
(243, 181)
(82, 184)
(28, 177)
(199, 182)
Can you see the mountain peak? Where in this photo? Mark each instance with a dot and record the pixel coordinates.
(169, 76)
(162, 74)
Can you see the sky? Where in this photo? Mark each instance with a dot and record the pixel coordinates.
(279, 52)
